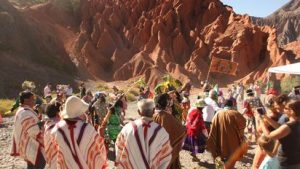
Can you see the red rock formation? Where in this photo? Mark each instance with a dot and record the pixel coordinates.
(153, 37)
(285, 20)
(121, 39)
(294, 47)
(30, 48)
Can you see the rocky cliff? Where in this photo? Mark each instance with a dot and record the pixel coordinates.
(286, 20)
(30, 49)
(122, 39)
(294, 47)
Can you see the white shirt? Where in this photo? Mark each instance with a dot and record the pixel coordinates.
(69, 91)
(47, 91)
(211, 102)
(239, 89)
(208, 113)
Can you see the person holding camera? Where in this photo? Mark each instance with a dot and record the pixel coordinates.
(271, 115)
(288, 135)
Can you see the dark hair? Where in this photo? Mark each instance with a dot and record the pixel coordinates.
(161, 100)
(25, 95)
(281, 99)
(178, 97)
(142, 89)
(200, 109)
(228, 103)
(53, 109)
(249, 92)
(119, 103)
(295, 106)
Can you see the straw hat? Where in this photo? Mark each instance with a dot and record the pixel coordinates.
(200, 103)
(74, 107)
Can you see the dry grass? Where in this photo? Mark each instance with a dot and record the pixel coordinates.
(102, 87)
(130, 97)
(5, 106)
(134, 92)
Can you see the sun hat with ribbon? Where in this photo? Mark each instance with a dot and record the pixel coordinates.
(200, 103)
(74, 107)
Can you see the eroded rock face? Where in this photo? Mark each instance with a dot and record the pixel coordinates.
(154, 37)
(293, 47)
(286, 21)
(30, 49)
(121, 39)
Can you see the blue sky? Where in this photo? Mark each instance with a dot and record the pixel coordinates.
(259, 8)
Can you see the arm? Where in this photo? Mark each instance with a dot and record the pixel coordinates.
(275, 149)
(279, 133)
(271, 122)
(215, 106)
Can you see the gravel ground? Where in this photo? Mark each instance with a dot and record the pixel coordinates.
(204, 160)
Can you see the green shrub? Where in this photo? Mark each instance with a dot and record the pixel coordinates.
(288, 83)
(101, 87)
(68, 5)
(133, 92)
(130, 97)
(27, 2)
(5, 106)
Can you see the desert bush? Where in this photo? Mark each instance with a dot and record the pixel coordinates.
(5, 106)
(69, 5)
(130, 97)
(288, 83)
(134, 92)
(27, 2)
(102, 87)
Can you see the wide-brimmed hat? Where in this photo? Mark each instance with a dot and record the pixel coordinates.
(74, 107)
(200, 103)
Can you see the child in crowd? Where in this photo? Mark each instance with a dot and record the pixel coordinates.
(270, 147)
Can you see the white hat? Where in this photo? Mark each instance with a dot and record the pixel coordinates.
(74, 107)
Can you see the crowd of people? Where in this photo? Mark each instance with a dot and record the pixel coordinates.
(69, 131)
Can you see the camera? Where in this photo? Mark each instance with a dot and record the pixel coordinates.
(261, 110)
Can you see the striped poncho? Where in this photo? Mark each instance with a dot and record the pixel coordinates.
(143, 144)
(76, 145)
(27, 139)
